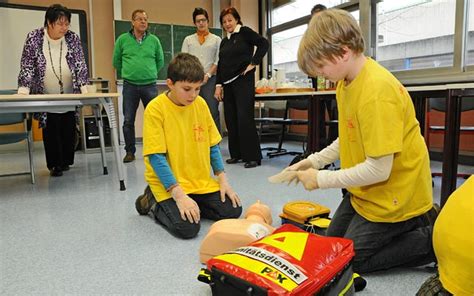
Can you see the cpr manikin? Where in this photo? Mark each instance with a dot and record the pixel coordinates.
(229, 234)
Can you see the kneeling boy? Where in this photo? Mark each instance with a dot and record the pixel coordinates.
(385, 165)
(180, 145)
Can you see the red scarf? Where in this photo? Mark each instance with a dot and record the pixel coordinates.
(202, 36)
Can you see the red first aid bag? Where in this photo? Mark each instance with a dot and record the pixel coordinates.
(288, 262)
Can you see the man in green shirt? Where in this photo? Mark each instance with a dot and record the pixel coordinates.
(138, 57)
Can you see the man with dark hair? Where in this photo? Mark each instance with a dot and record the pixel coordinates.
(317, 8)
(205, 46)
(138, 57)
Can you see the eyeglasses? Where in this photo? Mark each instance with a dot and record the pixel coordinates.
(141, 19)
(201, 21)
(62, 24)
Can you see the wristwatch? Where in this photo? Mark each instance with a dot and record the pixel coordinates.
(209, 75)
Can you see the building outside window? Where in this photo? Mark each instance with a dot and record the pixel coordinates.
(470, 34)
(411, 35)
(415, 34)
(285, 43)
(287, 10)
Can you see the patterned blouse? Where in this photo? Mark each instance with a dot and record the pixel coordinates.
(33, 65)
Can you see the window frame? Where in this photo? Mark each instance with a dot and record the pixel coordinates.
(270, 31)
(459, 72)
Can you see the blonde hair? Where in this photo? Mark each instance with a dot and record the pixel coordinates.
(328, 32)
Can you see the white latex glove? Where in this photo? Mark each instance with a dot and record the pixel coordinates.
(226, 190)
(309, 179)
(300, 166)
(284, 176)
(188, 208)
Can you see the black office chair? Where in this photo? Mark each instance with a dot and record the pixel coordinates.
(285, 122)
(263, 121)
(439, 104)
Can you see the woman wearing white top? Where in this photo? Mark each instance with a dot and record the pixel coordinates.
(205, 46)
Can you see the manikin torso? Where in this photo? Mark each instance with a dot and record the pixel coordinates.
(228, 234)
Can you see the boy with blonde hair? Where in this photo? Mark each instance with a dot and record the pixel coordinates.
(180, 145)
(388, 211)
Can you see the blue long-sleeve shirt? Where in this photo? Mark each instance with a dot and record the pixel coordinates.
(162, 168)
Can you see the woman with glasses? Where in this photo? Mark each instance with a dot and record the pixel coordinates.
(205, 46)
(53, 62)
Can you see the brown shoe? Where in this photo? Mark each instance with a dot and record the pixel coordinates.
(129, 157)
(144, 202)
(432, 286)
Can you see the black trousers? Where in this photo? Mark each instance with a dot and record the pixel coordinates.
(210, 205)
(59, 137)
(239, 106)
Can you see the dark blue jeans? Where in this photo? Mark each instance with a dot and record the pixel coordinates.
(380, 246)
(210, 205)
(131, 98)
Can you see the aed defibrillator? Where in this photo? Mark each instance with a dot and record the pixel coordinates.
(309, 216)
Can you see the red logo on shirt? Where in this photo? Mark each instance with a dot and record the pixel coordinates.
(351, 133)
(350, 123)
(198, 132)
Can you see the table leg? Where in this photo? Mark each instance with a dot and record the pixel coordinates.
(313, 126)
(109, 108)
(451, 146)
(419, 102)
(100, 126)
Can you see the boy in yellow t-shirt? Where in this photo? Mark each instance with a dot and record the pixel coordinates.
(384, 159)
(180, 145)
(454, 244)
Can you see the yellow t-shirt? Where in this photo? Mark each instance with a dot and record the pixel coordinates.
(377, 118)
(453, 241)
(185, 134)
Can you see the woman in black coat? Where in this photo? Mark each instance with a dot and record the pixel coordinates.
(236, 76)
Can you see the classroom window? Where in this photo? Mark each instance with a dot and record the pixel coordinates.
(470, 34)
(408, 38)
(283, 11)
(285, 49)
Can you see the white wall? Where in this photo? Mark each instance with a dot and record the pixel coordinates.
(15, 24)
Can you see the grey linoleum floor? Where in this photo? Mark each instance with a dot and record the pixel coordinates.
(79, 235)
